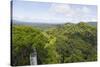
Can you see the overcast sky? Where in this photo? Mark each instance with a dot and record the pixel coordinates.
(40, 12)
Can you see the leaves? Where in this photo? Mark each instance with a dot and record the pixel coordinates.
(56, 44)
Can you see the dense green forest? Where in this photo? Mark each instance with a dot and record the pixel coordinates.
(62, 43)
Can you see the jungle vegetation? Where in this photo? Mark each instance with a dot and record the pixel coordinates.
(61, 43)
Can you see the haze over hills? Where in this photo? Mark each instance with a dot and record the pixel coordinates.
(93, 23)
(44, 24)
(35, 24)
(24, 22)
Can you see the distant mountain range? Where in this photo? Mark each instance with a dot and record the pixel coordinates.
(43, 24)
(93, 23)
(30, 23)
(35, 24)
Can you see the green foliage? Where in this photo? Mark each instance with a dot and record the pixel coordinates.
(60, 44)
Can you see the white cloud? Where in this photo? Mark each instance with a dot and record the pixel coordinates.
(67, 12)
(60, 8)
(93, 19)
(86, 10)
(19, 17)
(62, 13)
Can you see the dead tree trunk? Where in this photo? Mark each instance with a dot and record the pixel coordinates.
(33, 57)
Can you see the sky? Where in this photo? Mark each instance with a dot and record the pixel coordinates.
(46, 12)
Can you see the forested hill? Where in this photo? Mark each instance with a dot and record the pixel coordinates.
(35, 24)
(61, 43)
(93, 23)
(45, 25)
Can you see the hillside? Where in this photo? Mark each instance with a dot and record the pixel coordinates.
(61, 43)
(93, 23)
